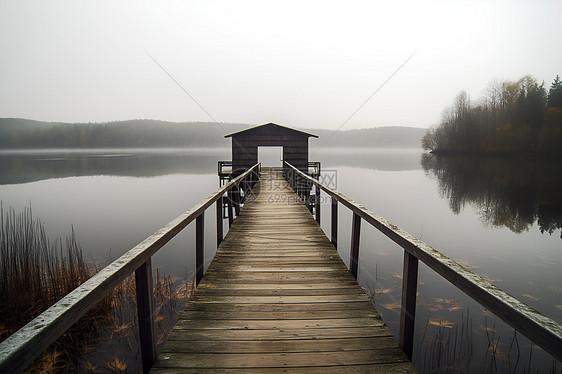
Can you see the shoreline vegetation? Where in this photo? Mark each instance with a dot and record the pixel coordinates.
(23, 134)
(36, 272)
(513, 118)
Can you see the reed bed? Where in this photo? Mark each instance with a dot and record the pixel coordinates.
(452, 338)
(35, 273)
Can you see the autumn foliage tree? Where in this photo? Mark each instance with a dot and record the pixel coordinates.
(513, 117)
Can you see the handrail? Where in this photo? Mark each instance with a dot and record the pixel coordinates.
(540, 329)
(20, 348)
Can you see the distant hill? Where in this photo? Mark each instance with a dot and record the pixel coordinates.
(22, 133)
(17, 133)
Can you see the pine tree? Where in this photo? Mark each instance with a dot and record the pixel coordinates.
(555, 94)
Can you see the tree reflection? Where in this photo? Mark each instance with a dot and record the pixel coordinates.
(513, 193)
(31, 166)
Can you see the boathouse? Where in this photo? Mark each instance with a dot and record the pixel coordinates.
(245, 146)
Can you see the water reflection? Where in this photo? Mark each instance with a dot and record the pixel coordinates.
(30, 166)
(391, 159)
(17, 167)
(513, 193)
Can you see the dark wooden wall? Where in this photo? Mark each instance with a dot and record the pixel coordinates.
(245, 146)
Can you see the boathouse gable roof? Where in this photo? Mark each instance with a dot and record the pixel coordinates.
(270, 128)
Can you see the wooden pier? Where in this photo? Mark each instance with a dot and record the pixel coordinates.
(277, 297)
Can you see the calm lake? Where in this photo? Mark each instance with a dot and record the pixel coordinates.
(500, 218)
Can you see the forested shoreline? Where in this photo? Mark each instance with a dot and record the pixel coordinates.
(18, 133)
(512, 118)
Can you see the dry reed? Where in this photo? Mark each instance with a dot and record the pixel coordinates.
(35, 273)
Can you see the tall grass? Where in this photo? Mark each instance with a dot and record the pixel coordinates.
(35, 273)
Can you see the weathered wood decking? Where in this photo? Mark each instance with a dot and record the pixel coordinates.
(278, 298)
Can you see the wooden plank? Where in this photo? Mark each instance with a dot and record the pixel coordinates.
(280, 334)
(326, 345)
(203, 306)
(273, 290)
(211, 313)
(282, 277)
(395, 368)
(278, 286)
(278, 296)
(280, 299)
(285, 360)
(282, 292)
(235, 324)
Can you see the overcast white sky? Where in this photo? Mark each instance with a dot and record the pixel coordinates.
(304, 64)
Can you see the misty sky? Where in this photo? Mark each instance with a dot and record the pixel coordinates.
(304, 64)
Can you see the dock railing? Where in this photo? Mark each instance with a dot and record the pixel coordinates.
(540, 329)
(22, 347)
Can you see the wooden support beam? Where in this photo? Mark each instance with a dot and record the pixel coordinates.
(293, 180)
(355, 237)
(220, 234)
(334, 230)
(236, 195)
(408, 310)
(143, 282)
(199, 247)
(230, 207)
(308, 197)
(317, 203)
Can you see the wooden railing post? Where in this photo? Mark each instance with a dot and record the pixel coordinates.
(219, 221)
(307, 196)
(354, 252)
(236, 194)
(334, 230)
(408, 310)
(199, 247)
(317, 203)
(293, 179)
(247, 187)
(143, 282)
(241, 192)
(230, 208)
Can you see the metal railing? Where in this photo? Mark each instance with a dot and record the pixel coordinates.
(21, 348)
(540, 329)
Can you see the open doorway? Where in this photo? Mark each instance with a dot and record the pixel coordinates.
(270, 156)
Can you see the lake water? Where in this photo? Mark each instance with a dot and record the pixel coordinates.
(500, 219)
